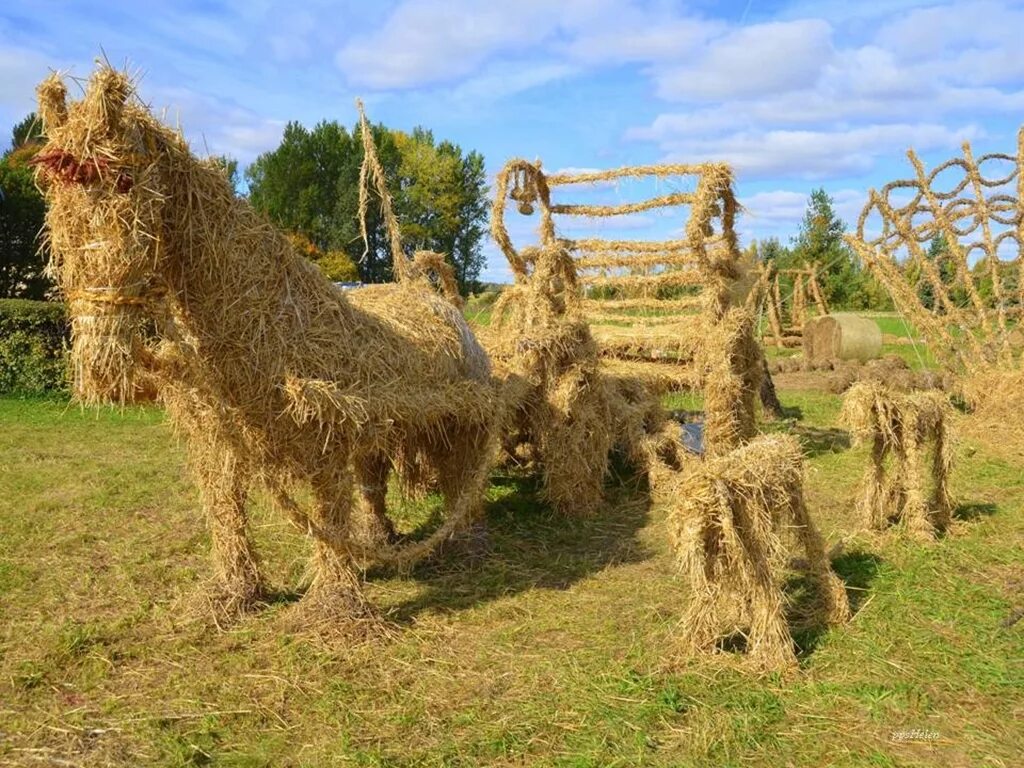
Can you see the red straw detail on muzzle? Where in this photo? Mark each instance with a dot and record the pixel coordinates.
(63, 166)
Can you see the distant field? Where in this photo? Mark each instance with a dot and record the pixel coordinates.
(546, 652)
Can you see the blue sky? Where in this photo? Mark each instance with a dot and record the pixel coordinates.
(794, 94)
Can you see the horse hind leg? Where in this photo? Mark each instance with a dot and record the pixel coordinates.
(370, 523)
(335, 601)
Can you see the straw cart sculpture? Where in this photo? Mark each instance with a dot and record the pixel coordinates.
(271, 374)
(727, 512)
(899, 428)
(948, 245)
(669, 299)
(787, 312)
(727, 528)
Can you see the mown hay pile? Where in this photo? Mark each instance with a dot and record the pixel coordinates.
(892, 371)
(948, 245)
(899, 429)
(272, 375)
(728, 529)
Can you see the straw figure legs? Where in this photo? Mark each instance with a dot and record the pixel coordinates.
(728, 531)
(271, 374)
(899, 428)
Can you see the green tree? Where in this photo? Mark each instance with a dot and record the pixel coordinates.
(229, 165)
(338, 267)
(310, 185)
(771, 250)
(820, 243)
(296, 184)
(28, 131)
(443, 201)
(939, 253)
(22, 263)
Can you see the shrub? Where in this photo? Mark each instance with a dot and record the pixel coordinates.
(338, 267)
(33, 347)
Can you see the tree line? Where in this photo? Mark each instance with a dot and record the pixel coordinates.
(22, 265)
(309, 186)
(819, 243)
(847, 285)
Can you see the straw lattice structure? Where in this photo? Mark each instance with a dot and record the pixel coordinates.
(967, 307)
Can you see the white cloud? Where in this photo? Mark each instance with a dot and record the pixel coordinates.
(782, 207)
(807, 154)
(774, 57)
(639, 37)
(431, 41)
(776, 205)
(217, 126)
(508, 78)
(961, 25)
(21, 70)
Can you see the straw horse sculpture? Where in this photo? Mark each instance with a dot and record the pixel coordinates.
(272, 375)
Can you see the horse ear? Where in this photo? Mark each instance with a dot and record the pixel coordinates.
(52, 97)
(106, 96)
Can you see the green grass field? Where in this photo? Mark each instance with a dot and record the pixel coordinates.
(546, 652)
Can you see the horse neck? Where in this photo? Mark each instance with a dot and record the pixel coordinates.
(242, 296)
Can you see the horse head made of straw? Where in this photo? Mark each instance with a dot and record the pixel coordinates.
(99, 173)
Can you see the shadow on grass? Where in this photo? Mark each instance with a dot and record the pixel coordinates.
(857, 570)
(821, 440)
(529, 546)
(794, 412)
(803, 615)
(974, 510)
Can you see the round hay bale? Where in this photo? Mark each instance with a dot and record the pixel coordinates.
(841, 337)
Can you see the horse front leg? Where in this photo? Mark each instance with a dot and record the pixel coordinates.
(223, 487)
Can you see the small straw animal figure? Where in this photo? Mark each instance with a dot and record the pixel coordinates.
(727, 529)
(272, 375)
(899, 429)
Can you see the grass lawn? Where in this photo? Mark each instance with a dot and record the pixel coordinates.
(546, 652)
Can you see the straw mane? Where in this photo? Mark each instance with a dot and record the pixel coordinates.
(271, 374)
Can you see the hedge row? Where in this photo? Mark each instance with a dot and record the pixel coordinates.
(33, 347)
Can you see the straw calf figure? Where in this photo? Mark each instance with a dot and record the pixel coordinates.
(271, 373)
(727, 527)
(899, 429)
